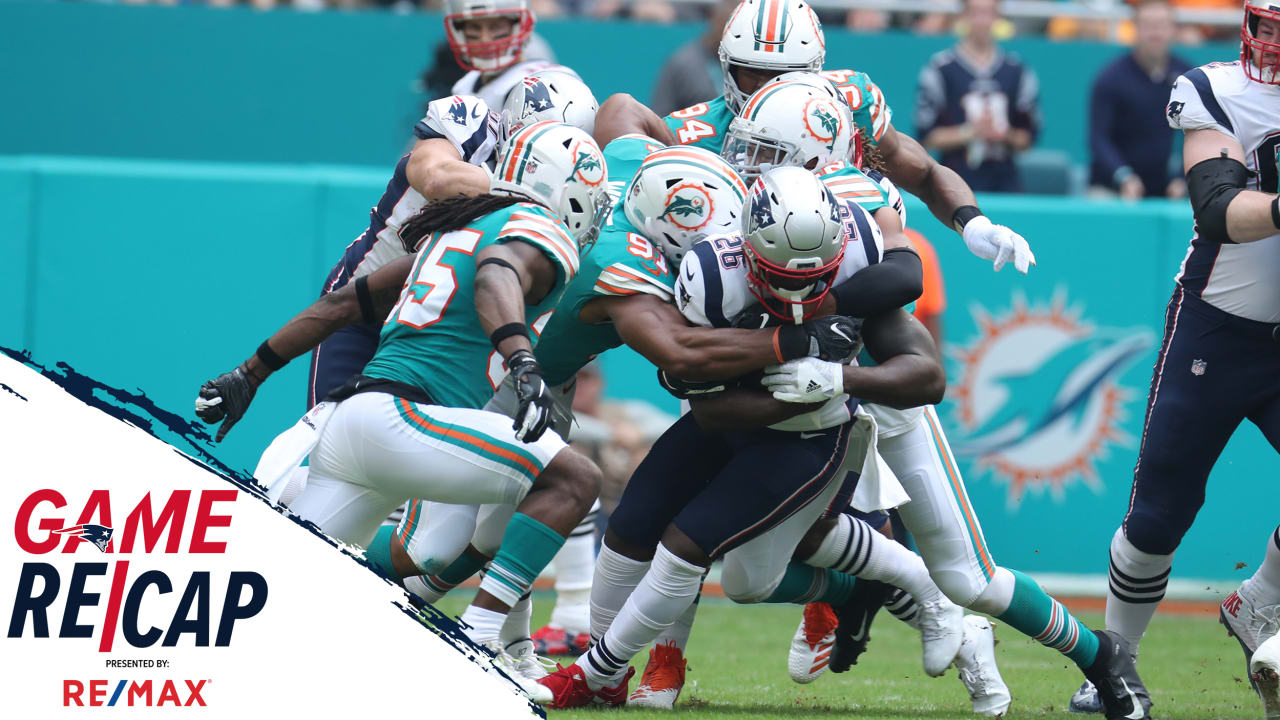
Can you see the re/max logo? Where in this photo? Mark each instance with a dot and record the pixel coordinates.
(131, 693)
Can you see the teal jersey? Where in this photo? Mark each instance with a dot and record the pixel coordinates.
(871, 114)
(849, 183)
(703, 125)
(622, 262)
(433, 338)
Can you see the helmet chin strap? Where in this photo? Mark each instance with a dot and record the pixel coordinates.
(793, 298)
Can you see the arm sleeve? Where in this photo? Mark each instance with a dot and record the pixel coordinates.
(889, 284)
(465, 122)
(1102, 121)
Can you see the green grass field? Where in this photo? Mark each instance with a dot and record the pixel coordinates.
(737, 670)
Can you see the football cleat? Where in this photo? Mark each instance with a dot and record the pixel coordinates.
(855, 616)
(662, 679)
(569, 689)
(941, 632)
(976, 665)
(1120, 690)
(527, 662)
(501, 660)
(1085, 700)
(1248, 622)
(812, 644)
(555, 640)
(1264, 673)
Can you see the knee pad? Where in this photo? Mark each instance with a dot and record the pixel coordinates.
(741, 587)
(961, 587)
(995, 597)
(490, 526)
(436, 533)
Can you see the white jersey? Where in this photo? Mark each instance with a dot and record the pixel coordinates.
(712, 290)
(467, 124)
(494, 92)
(1237, 278)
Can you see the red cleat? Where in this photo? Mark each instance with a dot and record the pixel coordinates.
(554, 640)
(569, 689)
(662, 680)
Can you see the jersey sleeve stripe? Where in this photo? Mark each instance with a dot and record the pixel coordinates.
(568, 260)
(611, 290)
(713, 288)
(1201, 83)
(422, 131)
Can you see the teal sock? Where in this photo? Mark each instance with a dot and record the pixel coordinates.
(1033, 613)
(456, 573)
(527, 547)
(804, 584)
(379, 552)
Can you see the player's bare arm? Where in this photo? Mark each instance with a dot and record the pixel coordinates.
(367, 299)
(657, 330)
(1216, 176)
(622, 115)
(951, 200)
(507, 277)
(437, 171)
(744, 409)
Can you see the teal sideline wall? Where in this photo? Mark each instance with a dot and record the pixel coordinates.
(159, 275)
(339, 87)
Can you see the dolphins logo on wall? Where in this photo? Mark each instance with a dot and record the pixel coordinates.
(1038, 395)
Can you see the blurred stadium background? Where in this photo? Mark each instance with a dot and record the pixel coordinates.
(176, 181)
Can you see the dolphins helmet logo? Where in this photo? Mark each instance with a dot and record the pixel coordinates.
(587, 166)
(98, 535)
(822, 118)
(458, 111)
(1039, 396)
(689, 206)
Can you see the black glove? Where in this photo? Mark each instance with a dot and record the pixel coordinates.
(755, 317)
(835, 338)
(533, 414)
(685, 389)
(226, 396)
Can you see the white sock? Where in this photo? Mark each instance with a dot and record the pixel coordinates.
(1264, 586)
(1138, 582)
(855, 548)
(677, 635)
(901, 605)
(665, 593)
(516, 626)
(574, 565)
(485, 624)
(615, 578)
(417, 584)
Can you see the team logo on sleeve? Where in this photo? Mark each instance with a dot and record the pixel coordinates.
(586, 166)
(458, 111)
(823, 120)
(1042, 396)
(689, 206)
(1175, 109)
(536, 95)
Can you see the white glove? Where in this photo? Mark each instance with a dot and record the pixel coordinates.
(997, 243)
(807, 380)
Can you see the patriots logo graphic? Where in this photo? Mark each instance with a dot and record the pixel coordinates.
(683, 206)
(761, 212)
(586, 161)
(536, 95)
(99, 535)
(1175, 109)
(458, 111)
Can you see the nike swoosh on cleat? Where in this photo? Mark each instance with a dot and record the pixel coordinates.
(1138, 713)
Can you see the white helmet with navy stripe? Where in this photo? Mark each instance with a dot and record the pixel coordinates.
(680, 195)
(1260, 46)
(492, 55)
(798, 119)
(772, 36)
(553, 94)
(561, 167)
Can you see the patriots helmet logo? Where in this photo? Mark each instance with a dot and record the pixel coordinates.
(536, 95)
(458, 111)
(761, 209)
(99, 535)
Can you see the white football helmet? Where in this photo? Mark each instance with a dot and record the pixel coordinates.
(681, 195)
(494, 55)
(794, 241)
(769, 35)
(798, 119)
(561, 167)
(554, 94)
(1265, 68)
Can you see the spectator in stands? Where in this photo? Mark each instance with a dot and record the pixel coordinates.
(692, 73)
(977, 105)
(1129, 136)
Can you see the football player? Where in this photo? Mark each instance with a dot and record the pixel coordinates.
(1218, 364)
(765, 38)
(488, 40)
(410, 425)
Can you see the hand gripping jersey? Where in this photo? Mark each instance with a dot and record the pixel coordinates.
(622, 262)
(711, 291)
(494, 92)
(705, 124)
(1237, 278)
(433, 338)
(472, 129)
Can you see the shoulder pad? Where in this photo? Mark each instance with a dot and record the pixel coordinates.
(466, 122)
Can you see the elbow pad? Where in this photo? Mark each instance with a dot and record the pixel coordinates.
(1211, 185)
(685, 389)
(893, 282)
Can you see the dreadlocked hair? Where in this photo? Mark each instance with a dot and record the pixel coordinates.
(871, 158)
(455, 213)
